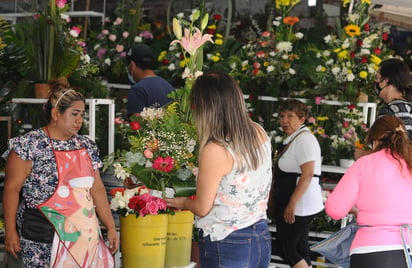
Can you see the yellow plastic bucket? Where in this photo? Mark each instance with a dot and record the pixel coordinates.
(179, 239)
(143, 241)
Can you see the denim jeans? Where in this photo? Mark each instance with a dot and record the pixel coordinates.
(246, 248)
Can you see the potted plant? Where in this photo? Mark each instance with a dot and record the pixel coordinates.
(52, 48)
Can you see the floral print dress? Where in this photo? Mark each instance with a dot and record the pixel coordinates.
(42, 181)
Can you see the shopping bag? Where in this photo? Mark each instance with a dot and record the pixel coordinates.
(336, 247)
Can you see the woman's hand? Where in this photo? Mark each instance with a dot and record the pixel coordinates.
(176, 202)
(289, 213)
(113, 240)
(12, 243)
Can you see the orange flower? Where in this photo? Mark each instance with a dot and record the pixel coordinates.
(359, 145)
(290, 20)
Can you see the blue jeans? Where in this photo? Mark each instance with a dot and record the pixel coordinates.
(246, 248)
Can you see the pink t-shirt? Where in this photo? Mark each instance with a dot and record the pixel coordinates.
(382, 191)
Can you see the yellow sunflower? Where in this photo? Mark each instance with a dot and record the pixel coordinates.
(352, 30)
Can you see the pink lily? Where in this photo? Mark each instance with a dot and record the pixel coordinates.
(191, 43)
(61, 3)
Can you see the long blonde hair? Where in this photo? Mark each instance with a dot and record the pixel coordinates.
(220, 116)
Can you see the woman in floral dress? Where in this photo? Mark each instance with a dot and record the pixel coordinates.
(35, 179)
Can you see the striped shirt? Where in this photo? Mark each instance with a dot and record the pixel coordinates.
(401, 109)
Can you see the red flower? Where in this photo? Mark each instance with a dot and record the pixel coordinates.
(256, 65)
(146, 204)
(266, 34)
(210, 31)
(165, 62)
(116, 190)
(164, 164)
(385, 36)
(134, 125)
(260, 54)
(377, 51)
(359, 42)
(255, 72)
(351, 107)
(364, 59)
(217, 17)
(345, 124)
(352, 54)
(367, 27)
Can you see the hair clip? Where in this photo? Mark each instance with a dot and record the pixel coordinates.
(400, 129)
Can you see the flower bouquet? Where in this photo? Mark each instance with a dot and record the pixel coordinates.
(351, 132)
(353, 53)
(137, 201)
(162, 151)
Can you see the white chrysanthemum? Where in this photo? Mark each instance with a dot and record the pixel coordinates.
(285, 57)
(233, 65)
(171, 67)
(272, 53)
(366, 43)
(299, 35)
(284, 46)
(326, 53)
(327, 39)
(318, 55)
(292, 71)
(270, 68)
(96, 47)
(371, 69)
(335, 70)
(350, 76)
(138, 39)
(319, 68)
(108, 61)
(85, 58)
(245, 63)
(276, 23)
(180, 15)
(330, 62)
(365, 51)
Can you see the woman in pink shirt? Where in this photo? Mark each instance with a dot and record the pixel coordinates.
(379, 188)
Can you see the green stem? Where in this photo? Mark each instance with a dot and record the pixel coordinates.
(50, 43)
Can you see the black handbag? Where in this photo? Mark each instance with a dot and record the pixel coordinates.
(36, 227)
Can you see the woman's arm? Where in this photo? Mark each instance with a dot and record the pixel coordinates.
(17, 171)
(98, 192)
(303, 184)
(214, 162)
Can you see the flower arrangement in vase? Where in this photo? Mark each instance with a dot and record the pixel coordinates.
(137, 201)
(161, 153)
(270, 60)
(353, 53)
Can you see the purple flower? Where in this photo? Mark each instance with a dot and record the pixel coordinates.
(101, 52)
(146, 34)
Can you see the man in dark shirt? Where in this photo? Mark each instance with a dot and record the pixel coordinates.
(148, 90)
